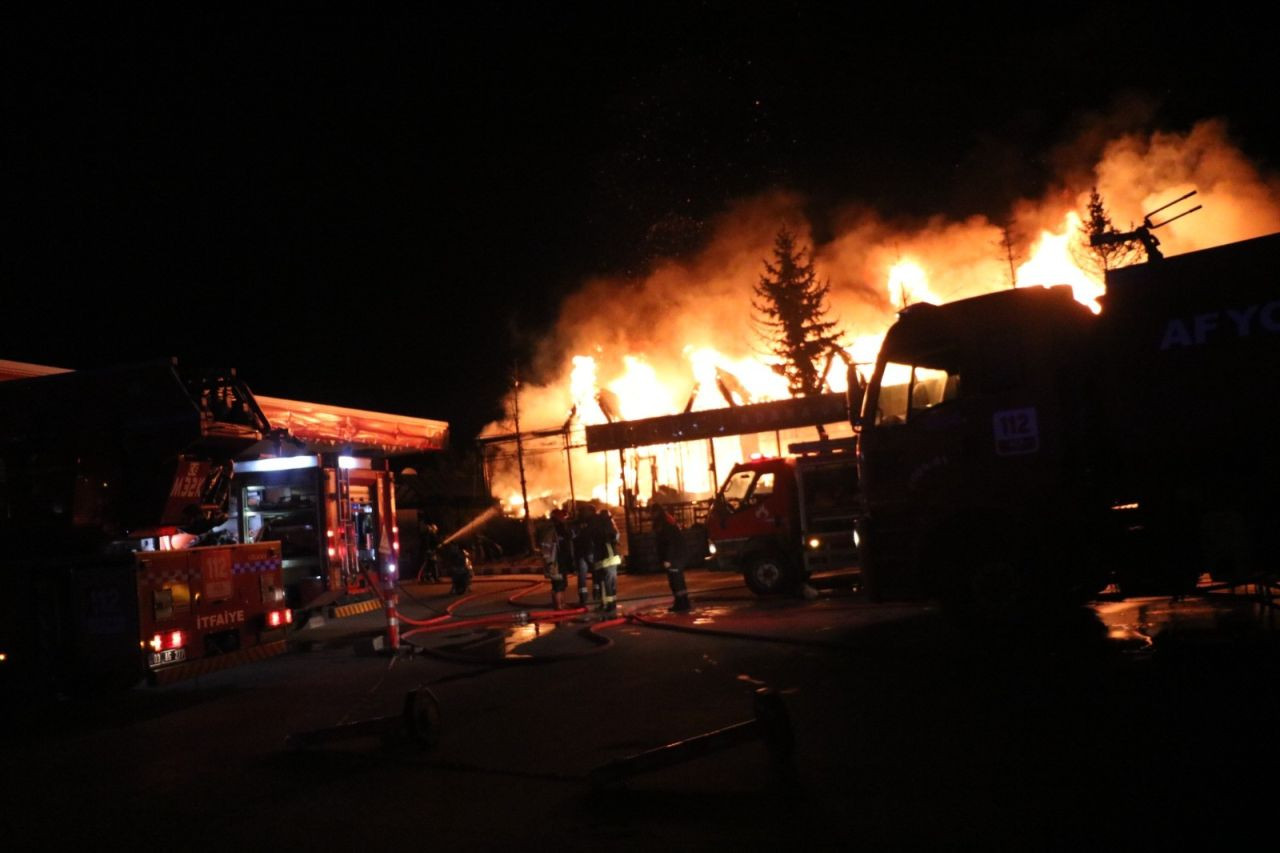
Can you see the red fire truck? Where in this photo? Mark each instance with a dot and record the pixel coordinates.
(106, 478)
(780, 519)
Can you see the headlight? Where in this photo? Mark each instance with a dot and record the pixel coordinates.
(815, 543)
(711, 548)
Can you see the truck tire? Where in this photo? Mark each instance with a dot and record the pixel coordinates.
(987, 581)
(996, 586)
(768, 574)
(1007, 580)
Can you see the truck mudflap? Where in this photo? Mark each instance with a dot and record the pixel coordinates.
(170, 673)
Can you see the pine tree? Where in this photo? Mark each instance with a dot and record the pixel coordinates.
(1096, 260)
(790, 306)
(1008, 250)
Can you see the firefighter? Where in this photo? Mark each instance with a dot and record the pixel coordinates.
(458, 562)
(430, 538)
(604, 548)
(667, 536)
(550, 546)
(566, 554)
(582, 552)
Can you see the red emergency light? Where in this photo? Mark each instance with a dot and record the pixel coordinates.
(172, 640)
(276, 618)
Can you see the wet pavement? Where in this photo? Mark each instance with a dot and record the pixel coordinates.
(1144, 721)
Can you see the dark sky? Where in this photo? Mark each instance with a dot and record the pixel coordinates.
(385, 212)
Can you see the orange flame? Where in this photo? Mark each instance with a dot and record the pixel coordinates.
(1052, 263)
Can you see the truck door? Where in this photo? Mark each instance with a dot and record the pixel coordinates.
(913, 438)
(913, 454)
(756, 503)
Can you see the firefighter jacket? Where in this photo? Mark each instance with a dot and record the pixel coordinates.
(604, 541)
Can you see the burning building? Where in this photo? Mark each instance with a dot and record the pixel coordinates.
(680, 340)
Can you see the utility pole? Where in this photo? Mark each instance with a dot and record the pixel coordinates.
(524, 490)
(1006, 245)
(568, 455)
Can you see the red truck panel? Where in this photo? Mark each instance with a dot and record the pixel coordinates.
(205, 602)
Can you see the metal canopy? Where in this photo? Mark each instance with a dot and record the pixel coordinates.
(715, 423)
(338, 426)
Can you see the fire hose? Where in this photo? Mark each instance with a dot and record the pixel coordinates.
(453, 605)
(449, 622)
(589, 632)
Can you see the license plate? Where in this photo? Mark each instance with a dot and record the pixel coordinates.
(168, 656)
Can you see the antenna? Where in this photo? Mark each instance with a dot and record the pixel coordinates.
(1143, 232)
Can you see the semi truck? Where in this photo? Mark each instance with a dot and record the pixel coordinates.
(780, 519)
(1017, 450)
(112, 482)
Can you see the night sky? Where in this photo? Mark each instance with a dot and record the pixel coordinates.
(385, 212)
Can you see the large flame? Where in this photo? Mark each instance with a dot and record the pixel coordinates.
(1052, 262)
(908, 284)
(683, 338)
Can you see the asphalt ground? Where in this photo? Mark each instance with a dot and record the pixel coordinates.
(1129, 723)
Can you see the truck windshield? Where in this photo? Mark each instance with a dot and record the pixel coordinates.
(914, 389)
(739, 490)
(735, 488)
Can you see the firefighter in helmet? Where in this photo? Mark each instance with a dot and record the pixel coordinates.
(458, 563)
(557, 552)
(667, 537)
(429, 536)
(580, 526)
(604, 548)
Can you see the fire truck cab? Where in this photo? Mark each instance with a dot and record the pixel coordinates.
(780, 519)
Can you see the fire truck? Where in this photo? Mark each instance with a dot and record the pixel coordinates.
(1016, 449)
(332, 516)
(112, 482)
(780, 519)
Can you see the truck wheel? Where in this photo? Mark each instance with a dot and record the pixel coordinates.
(995, 587)
(766, 574)
(1007, 581)
(987, 582)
